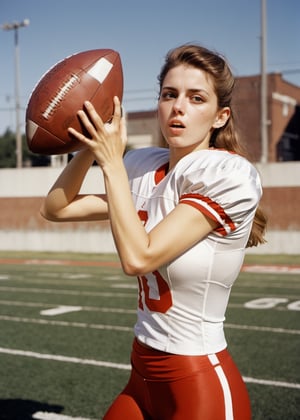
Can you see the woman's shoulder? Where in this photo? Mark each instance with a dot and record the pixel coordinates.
(220, 160)
(225, 178)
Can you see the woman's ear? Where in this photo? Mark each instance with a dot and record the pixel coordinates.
(222, 117)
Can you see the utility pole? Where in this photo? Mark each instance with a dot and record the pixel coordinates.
(15, 27)
(264, 89)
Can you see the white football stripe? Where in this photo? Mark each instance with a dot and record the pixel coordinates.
(100, 69)
(31, 129)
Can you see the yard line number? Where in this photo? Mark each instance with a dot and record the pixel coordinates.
(272, 302)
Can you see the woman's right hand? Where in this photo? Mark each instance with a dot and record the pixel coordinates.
(107, 141)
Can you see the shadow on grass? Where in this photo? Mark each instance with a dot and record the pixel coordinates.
(17, 409)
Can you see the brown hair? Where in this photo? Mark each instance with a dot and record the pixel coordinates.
(225, 137)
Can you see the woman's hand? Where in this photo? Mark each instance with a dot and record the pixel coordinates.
(107, 140)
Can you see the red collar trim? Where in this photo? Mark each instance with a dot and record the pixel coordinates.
(161, 172)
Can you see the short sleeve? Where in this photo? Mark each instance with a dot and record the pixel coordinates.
(225, 190)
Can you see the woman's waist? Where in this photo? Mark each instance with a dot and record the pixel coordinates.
(154, 364)
(182, 338)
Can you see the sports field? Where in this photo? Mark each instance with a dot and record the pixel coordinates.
(66, 331)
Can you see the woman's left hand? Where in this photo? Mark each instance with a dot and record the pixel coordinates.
(107, 141)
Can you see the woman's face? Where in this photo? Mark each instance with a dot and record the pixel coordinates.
(188, 109)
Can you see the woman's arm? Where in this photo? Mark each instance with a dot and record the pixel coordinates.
(63, 202)
(140, 252)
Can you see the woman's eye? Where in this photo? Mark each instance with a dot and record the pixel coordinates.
(196, 99)
(168, 95)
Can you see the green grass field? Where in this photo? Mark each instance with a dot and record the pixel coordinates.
(66, 332)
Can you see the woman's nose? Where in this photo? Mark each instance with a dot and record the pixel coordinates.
(179, 106)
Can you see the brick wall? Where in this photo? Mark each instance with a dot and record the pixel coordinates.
(22, 227)
(282, 101)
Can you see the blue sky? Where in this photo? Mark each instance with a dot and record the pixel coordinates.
(143, 31)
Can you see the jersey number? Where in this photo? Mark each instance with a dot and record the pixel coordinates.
(154, 288)
(156, 292)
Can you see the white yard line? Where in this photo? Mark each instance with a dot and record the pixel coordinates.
(129, 329)
(257, 295)
(271, 268)
(83, 308)
(99, 363)
(44, 415)
(66, 292)
(271, 383)
(60, 310)
(66, 359)
(107, 294)
(65, 323)
(262, 329)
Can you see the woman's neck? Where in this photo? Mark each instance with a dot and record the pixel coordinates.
(178, 153)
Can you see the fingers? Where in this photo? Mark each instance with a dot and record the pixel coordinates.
(79, 136)
(90, 120)
(95, 117)
(92, 114)
(88, 126)
(123, 131)
(93, 123)
(117, 109)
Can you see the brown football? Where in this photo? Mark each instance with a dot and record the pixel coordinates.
(94, 75)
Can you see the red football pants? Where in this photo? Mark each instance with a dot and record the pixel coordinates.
(164, 386)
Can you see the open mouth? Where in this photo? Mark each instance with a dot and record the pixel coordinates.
(176, 124)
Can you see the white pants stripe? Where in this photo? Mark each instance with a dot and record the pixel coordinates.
(224, 384)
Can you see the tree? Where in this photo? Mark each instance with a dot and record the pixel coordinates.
(8, 152)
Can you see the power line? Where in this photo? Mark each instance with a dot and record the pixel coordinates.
(291, 71)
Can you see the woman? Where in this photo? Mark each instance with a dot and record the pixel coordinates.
(197, 201)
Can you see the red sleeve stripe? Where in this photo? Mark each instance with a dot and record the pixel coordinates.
(212, 210)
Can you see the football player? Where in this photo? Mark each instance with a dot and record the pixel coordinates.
(181, 218)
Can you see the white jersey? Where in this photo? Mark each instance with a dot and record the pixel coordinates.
(182, 304)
